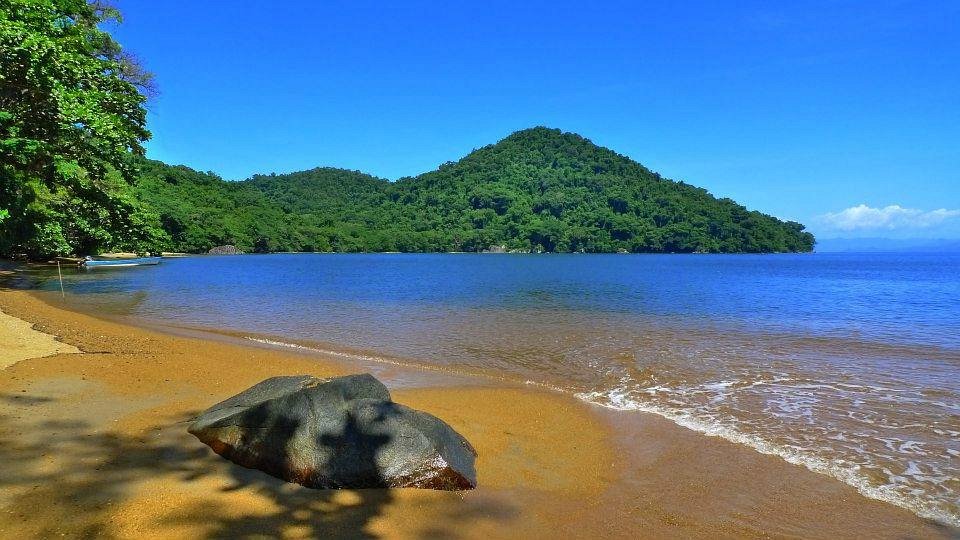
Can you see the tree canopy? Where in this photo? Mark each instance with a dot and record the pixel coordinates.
(71, 118)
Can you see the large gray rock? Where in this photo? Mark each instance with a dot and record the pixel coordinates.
(343, 432)
(225, 250)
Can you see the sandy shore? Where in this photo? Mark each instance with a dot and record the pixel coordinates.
(22, 342)
(95, 444)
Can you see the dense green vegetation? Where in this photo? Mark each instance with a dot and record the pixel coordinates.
(311, 212)
(71, 118)
(537, 190)
(73, 179)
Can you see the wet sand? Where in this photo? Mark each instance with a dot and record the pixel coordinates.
(96, 444)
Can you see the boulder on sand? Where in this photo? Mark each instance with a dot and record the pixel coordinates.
(343, 432)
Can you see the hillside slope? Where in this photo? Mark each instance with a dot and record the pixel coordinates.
(537, 190)
(542, 188)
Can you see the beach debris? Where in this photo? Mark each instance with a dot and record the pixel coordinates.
(343, 432)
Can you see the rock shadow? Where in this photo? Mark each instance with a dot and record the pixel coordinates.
(75, 478)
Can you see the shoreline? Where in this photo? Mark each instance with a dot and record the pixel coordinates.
(27, 343)
(426, 375)
(549, 463)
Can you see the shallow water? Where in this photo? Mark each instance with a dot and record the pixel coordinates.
(848, 364)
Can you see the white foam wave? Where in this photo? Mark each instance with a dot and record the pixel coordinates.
(845, 472)
(399, 363)
(342, 354)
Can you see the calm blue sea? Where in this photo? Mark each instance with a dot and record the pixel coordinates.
(848, 364)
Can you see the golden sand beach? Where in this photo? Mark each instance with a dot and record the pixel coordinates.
(95, 444)
(22, 342)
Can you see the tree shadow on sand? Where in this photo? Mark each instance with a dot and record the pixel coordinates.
(79, 479)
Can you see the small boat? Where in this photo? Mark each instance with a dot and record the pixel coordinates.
(89, 262)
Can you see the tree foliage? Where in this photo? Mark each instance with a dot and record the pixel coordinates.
(537, 190)
(71, 117)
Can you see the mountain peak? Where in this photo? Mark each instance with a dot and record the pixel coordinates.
(543, 133)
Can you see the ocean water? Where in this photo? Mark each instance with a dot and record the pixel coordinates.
(848, 364)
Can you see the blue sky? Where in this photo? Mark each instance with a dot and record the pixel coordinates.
(842, 115)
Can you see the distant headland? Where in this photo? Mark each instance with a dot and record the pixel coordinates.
(537, 190)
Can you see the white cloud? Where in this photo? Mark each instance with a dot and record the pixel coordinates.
(893, 217)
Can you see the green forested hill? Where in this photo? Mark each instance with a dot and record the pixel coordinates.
(302, 211)
(539, 189)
